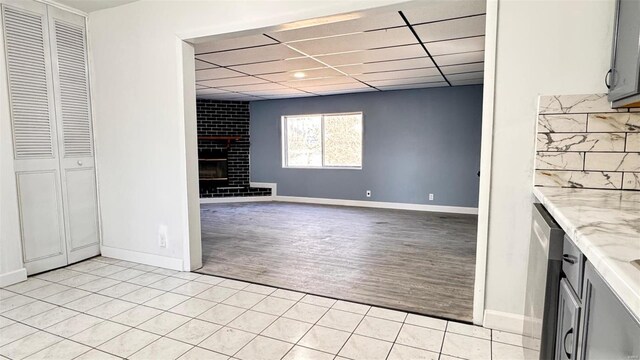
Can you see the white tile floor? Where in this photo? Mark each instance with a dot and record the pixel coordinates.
(108, 309)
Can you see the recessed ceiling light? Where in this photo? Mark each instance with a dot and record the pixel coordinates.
(299, 75)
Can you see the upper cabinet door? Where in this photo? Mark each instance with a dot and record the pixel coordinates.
(624, 79)
(73, 113)
(34, 135)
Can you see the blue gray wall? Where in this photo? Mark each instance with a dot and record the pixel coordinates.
(416, 142)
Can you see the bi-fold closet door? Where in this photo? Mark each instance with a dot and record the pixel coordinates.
(46, 55)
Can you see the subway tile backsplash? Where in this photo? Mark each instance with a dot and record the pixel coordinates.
(583, 143)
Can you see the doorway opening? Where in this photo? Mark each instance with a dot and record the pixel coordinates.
(398, 232)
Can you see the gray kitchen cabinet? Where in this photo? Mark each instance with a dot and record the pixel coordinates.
(568, 321)
(608, 330)
(623, 79)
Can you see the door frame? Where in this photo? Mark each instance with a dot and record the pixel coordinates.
(192, 246)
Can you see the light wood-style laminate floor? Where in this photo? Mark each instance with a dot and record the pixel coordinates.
(413, 261)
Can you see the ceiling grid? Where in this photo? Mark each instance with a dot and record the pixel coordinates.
(440, 45)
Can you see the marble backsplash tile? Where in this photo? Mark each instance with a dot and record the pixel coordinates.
(631, 181)
(581, 179)
(582, 142)
(633, 142)
(576, 104)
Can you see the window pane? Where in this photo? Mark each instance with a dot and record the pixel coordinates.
(343, 140)
(304, 141)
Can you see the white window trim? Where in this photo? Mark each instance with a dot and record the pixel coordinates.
(283, 138)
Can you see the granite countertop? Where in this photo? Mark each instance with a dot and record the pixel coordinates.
(605, 225)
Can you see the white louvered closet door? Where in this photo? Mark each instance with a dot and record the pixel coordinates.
(36, 153)
(73, 114)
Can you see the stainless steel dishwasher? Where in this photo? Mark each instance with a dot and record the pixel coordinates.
(543, 279)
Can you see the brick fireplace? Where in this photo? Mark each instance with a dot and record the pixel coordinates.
(223, 149)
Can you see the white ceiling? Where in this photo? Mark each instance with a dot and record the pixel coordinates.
(438, 43)
(93, 5)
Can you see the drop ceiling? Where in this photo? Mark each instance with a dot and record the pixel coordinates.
(437, 44)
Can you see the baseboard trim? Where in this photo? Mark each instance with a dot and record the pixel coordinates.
(503, 321)
(378, 204)
(272, 186)
(142, 258)
(13, 277)
(236, 199)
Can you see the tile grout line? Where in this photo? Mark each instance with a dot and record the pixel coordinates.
(159, 271)
(352, 332)
(312, 326)
(397, 335)
(444, 336)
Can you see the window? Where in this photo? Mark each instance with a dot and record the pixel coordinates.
(322, 141)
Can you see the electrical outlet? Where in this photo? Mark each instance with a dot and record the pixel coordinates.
(162, 236)
(430, 197)
(368, 193)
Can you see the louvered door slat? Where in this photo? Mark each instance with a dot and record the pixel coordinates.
(29, 90)
(74, 100)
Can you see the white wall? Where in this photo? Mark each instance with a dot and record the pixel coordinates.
(544, 47)
(135, 56)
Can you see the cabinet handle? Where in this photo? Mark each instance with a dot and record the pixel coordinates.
(564, 343)
(569, 258)
(79, 162)
(606, 78)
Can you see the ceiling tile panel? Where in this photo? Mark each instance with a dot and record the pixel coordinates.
(359, 24)
(250, 55)
(232, 43)
(435, 10)
(387, 66)
(454, 69)
(309, 74)
(266, 93)
(344, 91)
(216, 73)
(203, 65)
(347, 86)
(456, 46)
(414, 86)
(406, 81)
(287, 96)
(334, 80)
(452, 29)
(234, 97)
(466, 76)
(244, 80)
(389, 75)
(467, 82)
(269, 67)
(461, 58)
(254, 87)
(357, 41)
(210, 91)
(385, 54)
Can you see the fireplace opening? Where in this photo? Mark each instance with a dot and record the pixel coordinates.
(213, 168)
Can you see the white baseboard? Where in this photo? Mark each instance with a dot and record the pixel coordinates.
(13, 277)
(272, 186)
(503, 321)
(142, 258)
(378, 204)
(236, 199)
